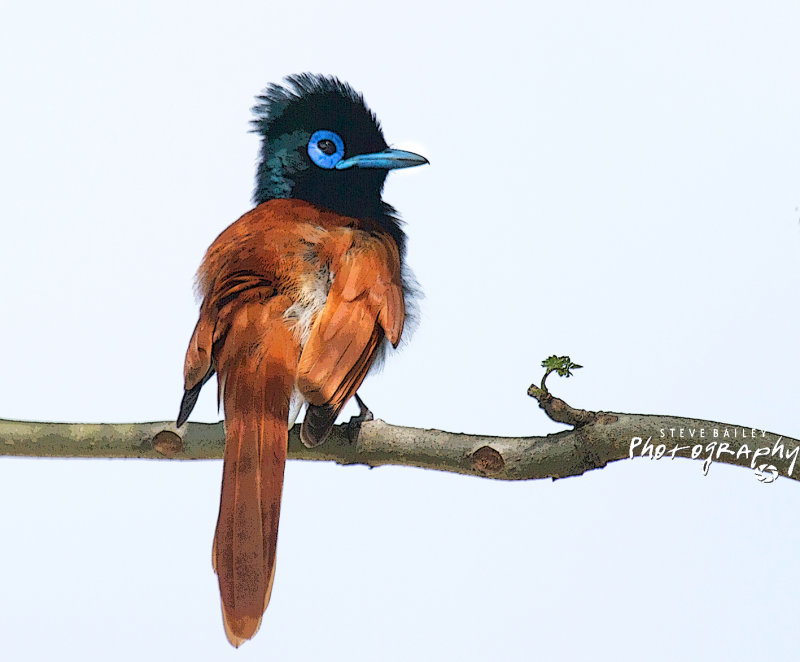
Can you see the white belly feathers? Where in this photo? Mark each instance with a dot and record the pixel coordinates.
(311, 297)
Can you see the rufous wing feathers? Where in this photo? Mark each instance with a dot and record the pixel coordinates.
(365, 303)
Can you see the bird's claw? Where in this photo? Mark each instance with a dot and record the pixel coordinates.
(354, 424)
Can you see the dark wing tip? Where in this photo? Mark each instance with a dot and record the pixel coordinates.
(190, 396)
(187, 404)
(317, 424)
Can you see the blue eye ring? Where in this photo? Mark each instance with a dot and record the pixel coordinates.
(322, 158)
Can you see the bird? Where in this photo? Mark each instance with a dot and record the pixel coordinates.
(301, 297)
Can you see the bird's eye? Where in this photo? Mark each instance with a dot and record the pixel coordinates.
(326, 149)
(327, 146)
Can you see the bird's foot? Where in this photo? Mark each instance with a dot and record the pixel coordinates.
(354, 425)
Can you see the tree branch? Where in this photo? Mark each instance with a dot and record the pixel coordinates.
(597, 439)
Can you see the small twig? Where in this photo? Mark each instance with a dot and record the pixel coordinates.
(555, 408)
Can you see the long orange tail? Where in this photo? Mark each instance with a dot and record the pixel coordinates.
(256, 369)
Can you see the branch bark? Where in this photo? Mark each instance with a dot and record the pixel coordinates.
(597, 439)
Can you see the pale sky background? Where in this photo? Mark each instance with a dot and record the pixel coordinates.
(616, 181)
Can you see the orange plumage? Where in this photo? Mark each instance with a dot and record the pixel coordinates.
(259, 280)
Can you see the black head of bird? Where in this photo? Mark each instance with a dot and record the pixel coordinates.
(322, 144)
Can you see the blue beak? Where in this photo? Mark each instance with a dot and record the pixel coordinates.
(388, 159)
